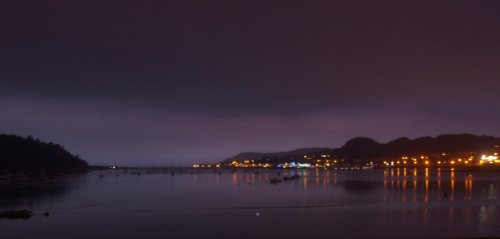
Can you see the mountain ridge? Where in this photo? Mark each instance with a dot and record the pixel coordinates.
(364, 148)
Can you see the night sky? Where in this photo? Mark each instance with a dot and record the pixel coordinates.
(159, 83)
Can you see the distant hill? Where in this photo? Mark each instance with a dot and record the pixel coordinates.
(253, 155)
(362, 148)
(29, 155)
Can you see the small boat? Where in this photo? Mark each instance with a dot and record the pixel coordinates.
(274, 181)
(296, 176)
(16, 214)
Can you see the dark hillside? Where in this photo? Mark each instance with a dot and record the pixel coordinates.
(29, 155)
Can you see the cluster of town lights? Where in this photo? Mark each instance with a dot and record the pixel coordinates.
(489, 159)
(206, 165)
(294, 165)
(424, 160)
(324, 161)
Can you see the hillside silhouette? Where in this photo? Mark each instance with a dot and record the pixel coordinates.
(29, 155)
(362, 148)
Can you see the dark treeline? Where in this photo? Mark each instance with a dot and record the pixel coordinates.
(29, 155)
(362, 148)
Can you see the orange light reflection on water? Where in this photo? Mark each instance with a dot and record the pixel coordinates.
(395, 183)
(452, 184)
(426, 196)
(305, 182)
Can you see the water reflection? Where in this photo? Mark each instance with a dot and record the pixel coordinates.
(468, 187)
(394, 184)
(426, 196)
(394, 203)
(425, 185)
(452, 184)
(415, 182)
(28, 192)
(360, 186)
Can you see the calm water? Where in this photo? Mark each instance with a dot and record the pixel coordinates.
(320, 204)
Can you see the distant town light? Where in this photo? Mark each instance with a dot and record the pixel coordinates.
(489, 158)
(304, 165)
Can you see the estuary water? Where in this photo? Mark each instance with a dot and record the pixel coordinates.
(391, 203)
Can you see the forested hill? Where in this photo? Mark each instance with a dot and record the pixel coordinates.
(29, 155)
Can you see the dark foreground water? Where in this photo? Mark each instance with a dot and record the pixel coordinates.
(320, 204)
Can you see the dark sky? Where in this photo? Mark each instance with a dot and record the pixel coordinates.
(177, 82)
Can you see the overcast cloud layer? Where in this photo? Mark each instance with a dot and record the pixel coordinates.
(175, 82)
